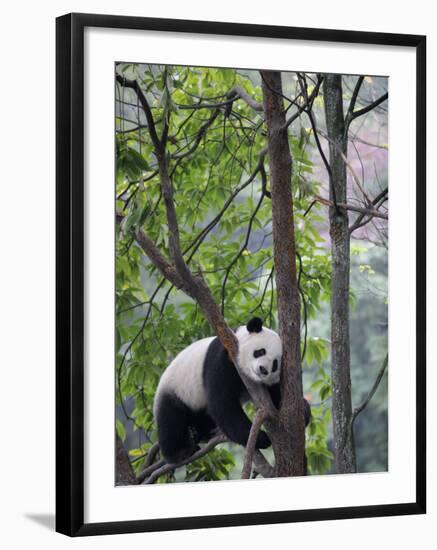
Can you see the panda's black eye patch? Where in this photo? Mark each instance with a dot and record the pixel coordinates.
(259, 352)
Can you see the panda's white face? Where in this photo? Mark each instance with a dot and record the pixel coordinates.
(260, 354)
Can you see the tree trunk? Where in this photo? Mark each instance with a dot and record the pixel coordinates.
(124, 474)
(340, 248)
(288, 434)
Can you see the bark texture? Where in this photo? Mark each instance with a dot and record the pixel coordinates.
(288, 433)
(124, 474)
(340, 248)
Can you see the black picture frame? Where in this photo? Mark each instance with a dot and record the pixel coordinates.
(70, 273)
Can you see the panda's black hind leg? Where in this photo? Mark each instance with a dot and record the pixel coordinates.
(205, 426)
(177, 434)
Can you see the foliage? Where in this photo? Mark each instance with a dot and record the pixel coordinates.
(318, 455)
(215, 465)
(224, 215)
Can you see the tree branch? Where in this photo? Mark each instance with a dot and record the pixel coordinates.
(202, 131)
(372, 391)
(353, 101)
(151, 455)
(153, 470)
(369, 107)
(167, 468)
(361, 210)
(313, 123)
(241, 250)
(158, 259)
(308, 103)
(201, 236)
(239, 92)
(262, 466)
(260, 416)
(133, 84)
(150, 473)
(348, 164)
(359, 221)
(148, 470)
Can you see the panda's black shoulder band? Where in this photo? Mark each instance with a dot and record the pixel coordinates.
(255, 325)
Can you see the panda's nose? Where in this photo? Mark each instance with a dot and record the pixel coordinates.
(263, 371)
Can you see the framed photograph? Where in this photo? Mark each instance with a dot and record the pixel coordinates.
(240, 274)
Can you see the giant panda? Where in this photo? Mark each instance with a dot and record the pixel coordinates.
(201, 392)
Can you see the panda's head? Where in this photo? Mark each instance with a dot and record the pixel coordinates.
(260, 352)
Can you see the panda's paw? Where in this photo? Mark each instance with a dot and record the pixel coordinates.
(262, 441)
(181, 455)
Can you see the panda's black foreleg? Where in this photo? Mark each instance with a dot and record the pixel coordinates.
(177, 435)
(275, 394)
(307, 412)
(230, 417)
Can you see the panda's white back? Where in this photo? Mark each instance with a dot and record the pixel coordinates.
(184, 376)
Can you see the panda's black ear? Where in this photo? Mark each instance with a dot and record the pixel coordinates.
(255, 325)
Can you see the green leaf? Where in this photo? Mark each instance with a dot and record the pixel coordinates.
(121, 430)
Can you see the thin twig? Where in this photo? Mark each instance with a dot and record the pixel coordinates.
(377, 201)
(372, 391)
(361, 210)
(313, 123)
(352, 102)
(369, 107)
(240, 252)
(308, 104)
(167, 468)
(348, 164)
(260, 416)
